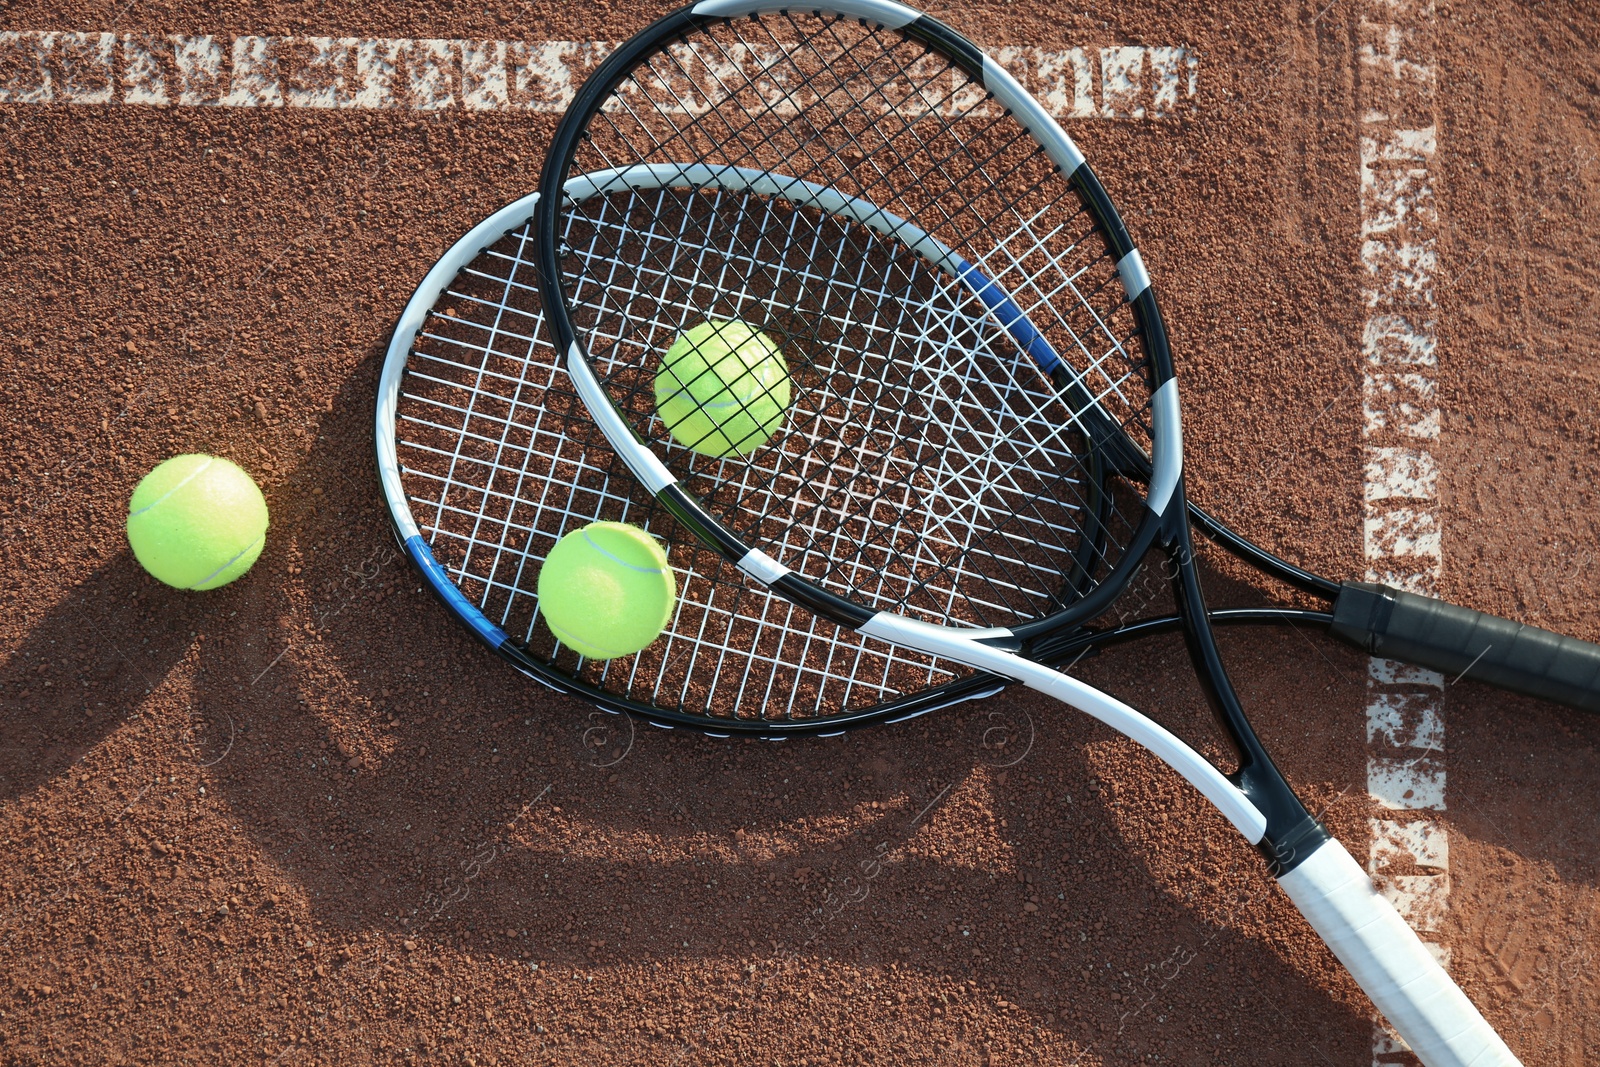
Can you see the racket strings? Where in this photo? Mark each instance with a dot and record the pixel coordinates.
(832, 511)
(847, 521)
(879, 60)
(499, 460)
(926, 464)
(952, 187)
(679, 247)
(886, 295)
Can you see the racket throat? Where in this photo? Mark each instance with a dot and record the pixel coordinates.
(1292, 833)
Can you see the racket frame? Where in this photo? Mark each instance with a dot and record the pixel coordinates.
(1330, 889)
(437, 579)
(1273, 814)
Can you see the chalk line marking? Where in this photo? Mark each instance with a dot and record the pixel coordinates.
(437, 74)
(1399, 259)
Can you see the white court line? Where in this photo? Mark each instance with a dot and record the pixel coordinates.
(438, 74)
(1399, 258)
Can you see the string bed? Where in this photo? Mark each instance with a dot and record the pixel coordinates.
(936, 457)
(499, 460)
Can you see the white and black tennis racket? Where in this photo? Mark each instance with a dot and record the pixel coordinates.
(982, 439)
(487, 458)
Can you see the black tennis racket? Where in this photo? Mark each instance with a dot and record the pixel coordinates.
(981, 438)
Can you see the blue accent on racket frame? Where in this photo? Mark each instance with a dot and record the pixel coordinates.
(422, 556)
(1010, 315)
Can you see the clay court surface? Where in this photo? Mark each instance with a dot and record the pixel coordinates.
(307, 819)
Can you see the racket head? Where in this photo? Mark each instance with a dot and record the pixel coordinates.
(485, 458)
(972, 343)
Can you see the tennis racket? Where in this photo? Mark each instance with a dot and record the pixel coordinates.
(486, 458)
(981, 437)
(484, 465)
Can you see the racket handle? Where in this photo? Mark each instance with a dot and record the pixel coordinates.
(1391, 964)
(1459, 641)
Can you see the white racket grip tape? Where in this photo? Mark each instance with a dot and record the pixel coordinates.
(1391, 963)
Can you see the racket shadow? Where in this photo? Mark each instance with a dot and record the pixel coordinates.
(475, 813)
(292, 678)
(401, 785)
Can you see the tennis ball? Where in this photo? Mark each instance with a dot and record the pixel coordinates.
(606, 590)
(197, 522)
(723, 388)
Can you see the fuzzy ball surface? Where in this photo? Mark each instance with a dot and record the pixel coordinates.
(197, 522)
(606, 591)
(723, 388)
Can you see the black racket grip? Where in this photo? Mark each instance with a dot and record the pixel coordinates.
(1454, 640)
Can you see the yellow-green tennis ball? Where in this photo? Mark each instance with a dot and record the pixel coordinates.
(723, 388)
(197, 522)
(606, 590)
